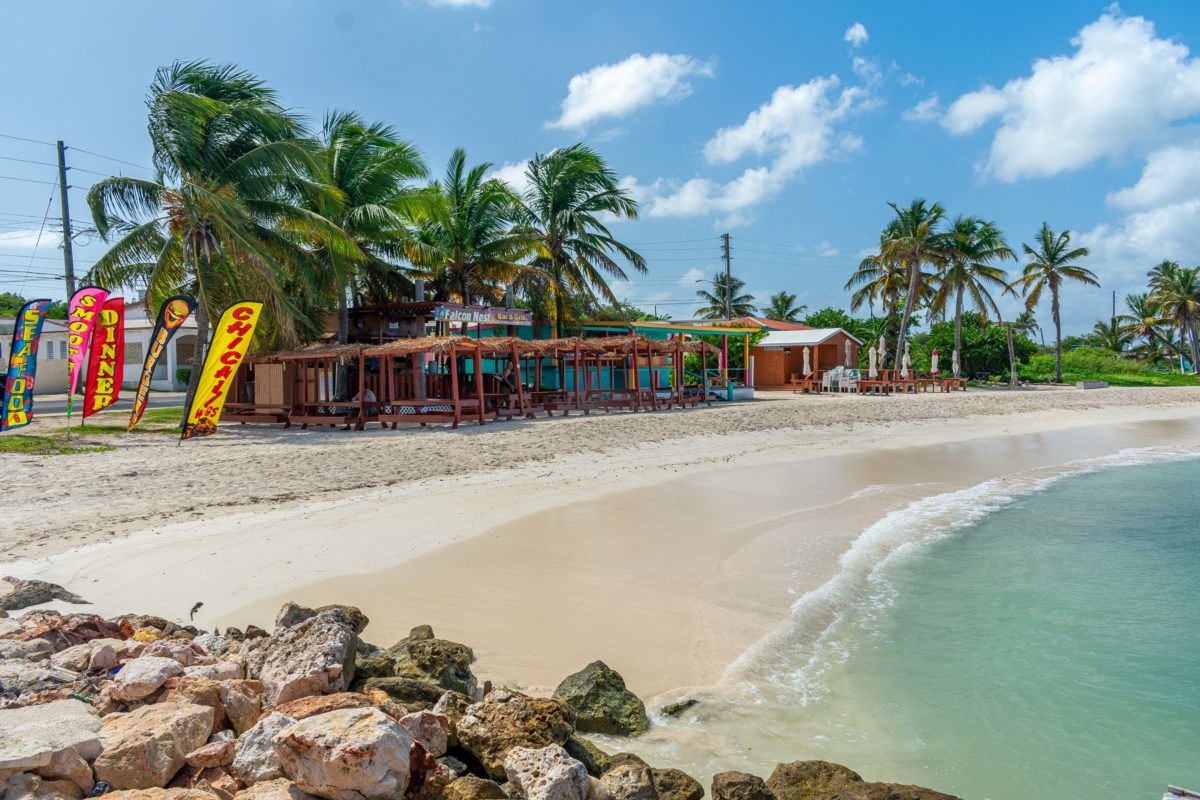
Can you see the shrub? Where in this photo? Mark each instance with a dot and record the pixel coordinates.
(183, 375)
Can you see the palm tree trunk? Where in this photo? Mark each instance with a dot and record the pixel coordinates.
(1057, 335)
(958, 311)
(909, 302)
(560, 309)
(343, 318)
(1012, 358)
(198, 352)
(1195, 348)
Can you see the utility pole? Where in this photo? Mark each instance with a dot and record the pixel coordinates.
(728, 279)
(68, 260)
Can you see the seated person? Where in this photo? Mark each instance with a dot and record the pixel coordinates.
(368, 397)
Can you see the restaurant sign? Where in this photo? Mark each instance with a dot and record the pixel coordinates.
(487, 315)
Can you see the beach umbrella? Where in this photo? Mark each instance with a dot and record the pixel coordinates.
(905, 363)
(807, 368)
(954, 363)
(872, 373)
(933, 359)
(882, 353)
(848, 364)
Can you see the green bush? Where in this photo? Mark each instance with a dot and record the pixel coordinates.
(1095, 364)
(985, 347)
(183, 375)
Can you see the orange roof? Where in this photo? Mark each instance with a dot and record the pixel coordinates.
(771, 324)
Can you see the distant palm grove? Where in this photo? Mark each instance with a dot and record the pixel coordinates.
(250, 202)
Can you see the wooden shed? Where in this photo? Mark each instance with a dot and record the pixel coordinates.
(780, 355)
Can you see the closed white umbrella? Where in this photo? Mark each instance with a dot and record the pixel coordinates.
(933, 361)
(904, 364)
(848, 364)
(807, 368)
(872, 373)
(954, 363)
(882, 353)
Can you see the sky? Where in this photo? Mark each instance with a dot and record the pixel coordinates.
(788, 125)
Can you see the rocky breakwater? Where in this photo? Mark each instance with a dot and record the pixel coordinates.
(142, 707)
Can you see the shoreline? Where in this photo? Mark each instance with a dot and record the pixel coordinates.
(562, 545)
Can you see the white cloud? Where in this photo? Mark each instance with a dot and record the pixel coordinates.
(908, 79)
(693, 276)
(28, 239)
(827, 250)
(867, 70)
(459, 3)
(856, 35)
(512, 173)
(1119, 92)
(617, 90)
(927, 110)
(1171, 174)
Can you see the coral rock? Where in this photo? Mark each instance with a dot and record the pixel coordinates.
(313, 657)
(242, 701)
(350, 754)
(142, 677)
(740, 786)
(307, 707)
(254, 757)
(547, 773)
(147, 746)
(601, 703)
(507, 719)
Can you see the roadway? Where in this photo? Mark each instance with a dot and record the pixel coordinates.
(55, 404)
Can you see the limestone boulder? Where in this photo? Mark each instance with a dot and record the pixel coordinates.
(507, 719)
(470, 787)
(315, 656)
(160, 794)
(349, 754)
(254, 756)
(630, 781)
(214, 754)
(306, 707)
(200, 691)
(24, 786)
(596, 761)
(294, 613)
(453, 706)
(823, 780)
(213, 644)
(408, 692)
(147, 746)
(429, 730)
(20, 676)
(32, 650)
(423, 657)
(33, 736)
(220, 671)
(185, 651)
(601, 702)
(68, 765)
(143, 676)
(278, 789)
(546, 773)
(740, 786)
(242, 701)
(674, 784)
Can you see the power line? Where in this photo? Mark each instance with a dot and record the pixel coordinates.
(24, 139)
(38, 241)
(27, 180)
(110, 158)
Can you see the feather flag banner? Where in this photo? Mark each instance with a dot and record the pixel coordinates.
(17, 410)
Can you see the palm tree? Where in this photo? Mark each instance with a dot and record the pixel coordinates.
(725, 301)
(571, 190)
(1049, 267)
(1175, 290)
(372, 169)
(911, 240)
(1143, 321)
(467, 243)
(1109, 335)
(1029, 323)
(782, 306)
(973, 245)
(226, 216)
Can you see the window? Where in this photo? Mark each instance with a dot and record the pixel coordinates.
(133, 352)
(62, 348)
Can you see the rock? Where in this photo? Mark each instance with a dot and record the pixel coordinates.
(823, 780)
(630, 782)
(350, 754)
(213, 754)
(254, 757)
(507, 719)
(438, 661)
(218, 781)
(674, 784)
(675, 709)
(601, 703)
(307, 707)
(64, 630)
(410, 693)
(160, 794)
(427, 776)
(68, 765)
(185, 651)
(213, 644)
(454, 765)
(254, 632)
(28, 593)
(141, 677)
(220, 671)
(313, 657)
(618, 759)
(21, 677)
(147, 746)
(428, 729)
(453, 706)
(294, 613)
(596, 761)
(74, 658)
(597, 790)
(32, 736)
(739, 786)
(469, 787)
(242, 701)
(32, 650)
(200, 691)
(278, 789)
(547, 773)
(24, 786)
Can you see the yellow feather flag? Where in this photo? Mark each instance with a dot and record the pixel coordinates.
(230, 341)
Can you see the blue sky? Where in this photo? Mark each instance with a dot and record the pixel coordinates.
(787, 124)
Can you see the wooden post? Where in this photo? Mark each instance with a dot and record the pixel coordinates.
(477, 361)
(516, 360)
(362, 394)
(575, 365)
(637, 379)
(653, 376)
(454, 384)
(746, 360)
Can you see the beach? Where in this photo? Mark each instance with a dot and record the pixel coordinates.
(666, 544)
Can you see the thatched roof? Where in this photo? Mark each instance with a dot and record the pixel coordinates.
(342, 352)
(505, 344)
(569, 343)
(425, 344)
(697, 346)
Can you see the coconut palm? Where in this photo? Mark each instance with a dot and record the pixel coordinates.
(372, 170)
(1110, 335)
(782, 307)
(228, 215)
(571, 191)
(725, 301)
(1050, 266)
(1175, 290)
(912, 240)
(466, 241)
(1143, 320)
(972, 248)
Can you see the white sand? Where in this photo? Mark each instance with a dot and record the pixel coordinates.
(664, 543)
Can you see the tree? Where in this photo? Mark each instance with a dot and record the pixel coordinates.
(467, 244)
(570, 192)
(726, 297)
(372, 169)
(782, 307)
(1050, 266)
(972, 247)
(830, 318)
(229, 214)
(1175, 290)
(1109, 335)
(912, 240)
(878, 281)
(1143, 320)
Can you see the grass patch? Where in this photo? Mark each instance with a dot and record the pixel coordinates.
(1094, 364)
(155, 420)
(55, 444)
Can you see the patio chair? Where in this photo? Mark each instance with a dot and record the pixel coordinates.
(849, 381)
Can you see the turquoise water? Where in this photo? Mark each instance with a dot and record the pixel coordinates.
(1034, 637)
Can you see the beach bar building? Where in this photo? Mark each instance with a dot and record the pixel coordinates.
(779, 356)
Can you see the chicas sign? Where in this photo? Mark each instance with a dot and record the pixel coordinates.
(82, 312)
(106, 361)
(22, 364)
(231, 339)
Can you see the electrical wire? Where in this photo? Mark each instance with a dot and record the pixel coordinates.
(38, 241)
